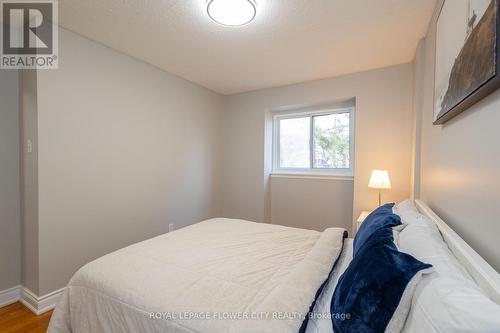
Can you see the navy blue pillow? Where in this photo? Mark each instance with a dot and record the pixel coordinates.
(380, 218)
(372, 286)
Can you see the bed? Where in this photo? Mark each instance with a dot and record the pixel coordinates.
(225, 275)
(219, 275)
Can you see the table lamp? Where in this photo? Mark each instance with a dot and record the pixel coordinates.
(379, 180)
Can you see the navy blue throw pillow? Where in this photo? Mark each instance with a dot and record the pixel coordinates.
(371, 288)
(380, 218)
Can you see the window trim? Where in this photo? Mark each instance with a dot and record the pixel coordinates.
(328, 172)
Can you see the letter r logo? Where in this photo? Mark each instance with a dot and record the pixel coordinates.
(27, 27)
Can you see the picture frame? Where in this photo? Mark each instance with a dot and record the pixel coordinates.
(467, 59)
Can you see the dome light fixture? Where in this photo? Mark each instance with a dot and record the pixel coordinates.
(232, 12)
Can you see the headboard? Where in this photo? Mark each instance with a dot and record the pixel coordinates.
(485, 276)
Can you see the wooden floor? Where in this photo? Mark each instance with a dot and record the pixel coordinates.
(16, 318)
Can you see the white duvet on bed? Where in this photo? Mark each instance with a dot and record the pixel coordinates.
(264, 275)
(321, 321)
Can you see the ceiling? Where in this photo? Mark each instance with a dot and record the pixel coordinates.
(289, 41)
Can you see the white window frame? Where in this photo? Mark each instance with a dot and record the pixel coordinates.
(333, 172)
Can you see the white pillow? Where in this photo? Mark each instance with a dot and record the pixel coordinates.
(447, 300)
(407, 211)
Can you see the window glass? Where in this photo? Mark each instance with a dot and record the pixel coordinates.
(331, 141)
(294, 143)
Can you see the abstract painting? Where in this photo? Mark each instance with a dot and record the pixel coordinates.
(467, 61)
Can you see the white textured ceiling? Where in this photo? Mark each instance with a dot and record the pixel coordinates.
(289, 41)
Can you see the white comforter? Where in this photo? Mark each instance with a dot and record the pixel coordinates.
(220, 275)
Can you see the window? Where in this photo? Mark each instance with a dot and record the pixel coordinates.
(319, 142)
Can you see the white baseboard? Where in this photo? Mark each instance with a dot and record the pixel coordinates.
(10, 296)
(39, 305)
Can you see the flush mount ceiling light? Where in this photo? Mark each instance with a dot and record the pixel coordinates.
(231, 12)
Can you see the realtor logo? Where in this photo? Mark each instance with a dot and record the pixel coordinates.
(29, 34)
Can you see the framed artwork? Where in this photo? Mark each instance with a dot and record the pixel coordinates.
(467, 60)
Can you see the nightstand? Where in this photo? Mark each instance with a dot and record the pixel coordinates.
(361, 218)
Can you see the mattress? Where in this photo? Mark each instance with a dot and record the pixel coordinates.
(220, 275)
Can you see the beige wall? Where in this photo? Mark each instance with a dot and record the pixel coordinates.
(29, 180)
(10, 221)
(312, 203)
(124, 149)
(418, 74)
(460, 163)
(383, 136)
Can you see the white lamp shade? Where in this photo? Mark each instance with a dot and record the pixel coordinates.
(380, 179)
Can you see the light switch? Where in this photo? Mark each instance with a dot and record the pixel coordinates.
(29, 146)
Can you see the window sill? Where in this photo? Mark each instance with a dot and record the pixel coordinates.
(306, 175)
